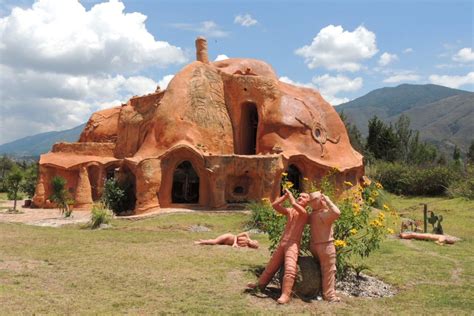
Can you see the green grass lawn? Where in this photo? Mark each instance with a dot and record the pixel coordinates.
(151, 266)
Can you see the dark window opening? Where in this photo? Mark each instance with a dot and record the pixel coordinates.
(185, 184)
(294, 176)
(248, 129)
(239, 190)
(110, 173)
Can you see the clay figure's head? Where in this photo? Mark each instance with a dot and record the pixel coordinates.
(316, 201)
(252, 244)
(303, 199)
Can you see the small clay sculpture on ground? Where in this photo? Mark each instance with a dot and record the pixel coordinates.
(439, 239)
(240, 240)
(321, 220)
(289, 247)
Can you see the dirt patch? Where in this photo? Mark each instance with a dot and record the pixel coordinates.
(41, 217)
(364, 286)
(351, 287)
(20, 266)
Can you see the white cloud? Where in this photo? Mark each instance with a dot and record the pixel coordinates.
(464, 55)
(403, 77)
(453, 81)
(387, 58)
(41, 101)
(329, 86)
(408, 50)
(221, 57)
(62, 36)
(61, 62)
(336, 49)
(206, 28)
(245, 20)
(163, 83)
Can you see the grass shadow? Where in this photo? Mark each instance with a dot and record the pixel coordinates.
(272, 291)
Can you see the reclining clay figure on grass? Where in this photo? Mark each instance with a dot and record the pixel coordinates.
(289, 247)
(240, 240)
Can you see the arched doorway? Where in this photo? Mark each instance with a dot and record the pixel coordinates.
(248, 129)
(294, 175)
(128, 183)
(185, 184)
(96, 181)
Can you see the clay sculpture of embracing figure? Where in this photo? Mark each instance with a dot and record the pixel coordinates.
(321, 220)
(289, 247)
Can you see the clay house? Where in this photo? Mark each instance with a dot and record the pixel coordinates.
(222, 132)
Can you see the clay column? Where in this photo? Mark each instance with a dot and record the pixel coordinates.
(83, 198)
(39, 198)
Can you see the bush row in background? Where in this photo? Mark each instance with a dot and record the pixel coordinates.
(406, 179)
(464, 186)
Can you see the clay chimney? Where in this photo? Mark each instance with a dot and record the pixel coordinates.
(201, 50)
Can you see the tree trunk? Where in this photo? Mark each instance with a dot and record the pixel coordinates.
(14, 201)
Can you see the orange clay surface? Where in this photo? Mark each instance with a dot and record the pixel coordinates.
(220, 133)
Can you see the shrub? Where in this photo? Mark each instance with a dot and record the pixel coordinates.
(357, 232)
(99, 215)
(61, 196)
(115, 196)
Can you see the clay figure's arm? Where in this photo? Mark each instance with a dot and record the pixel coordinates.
(235, 242)
(277, 204)
(331, 206)
(244, 234)
(296, 206)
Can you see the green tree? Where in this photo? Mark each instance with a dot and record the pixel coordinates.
(6, 164)
(14, 180)
(470, 153)
(31, 177)
(404, 135)
(420, 153)
(60, 195)
(382, 141)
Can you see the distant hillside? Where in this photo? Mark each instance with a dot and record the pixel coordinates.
(446, 122)
(40, 143)
(444, 116)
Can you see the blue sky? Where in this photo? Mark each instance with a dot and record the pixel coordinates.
(61, 60)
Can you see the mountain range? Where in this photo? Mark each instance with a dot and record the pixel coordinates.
(32, 146)
(444, 117)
